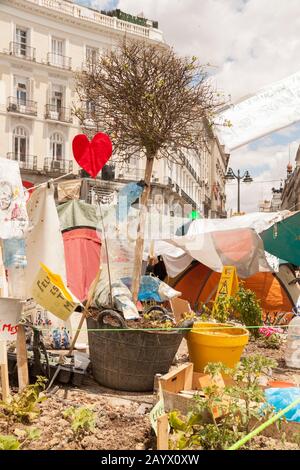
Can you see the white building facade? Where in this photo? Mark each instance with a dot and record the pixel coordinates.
(43, 43)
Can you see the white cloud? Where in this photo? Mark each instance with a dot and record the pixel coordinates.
(253, 43)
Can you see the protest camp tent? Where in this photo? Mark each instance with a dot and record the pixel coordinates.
(282, 238)
(198, 284)
(78, 221)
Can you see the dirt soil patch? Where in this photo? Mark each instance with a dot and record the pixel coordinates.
(122, 418)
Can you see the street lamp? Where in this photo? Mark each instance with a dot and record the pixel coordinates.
(246, 178)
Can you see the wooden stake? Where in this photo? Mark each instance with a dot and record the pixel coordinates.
(22, 364)
(85, 311)
(163, 432)
(4, 371)
(139, 246)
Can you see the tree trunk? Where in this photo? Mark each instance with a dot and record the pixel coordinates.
(139, 246)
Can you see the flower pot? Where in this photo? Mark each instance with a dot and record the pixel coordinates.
(128, 359)
(216, 342)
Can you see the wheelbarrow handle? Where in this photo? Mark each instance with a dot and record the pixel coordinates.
(110, 313)
(164, 312)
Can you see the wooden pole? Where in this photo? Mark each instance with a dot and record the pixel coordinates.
(139, 246)
(4, 371)
(163, 432)
(22, 364)
(85, 312)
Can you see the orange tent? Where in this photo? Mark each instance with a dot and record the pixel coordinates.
(198, 284)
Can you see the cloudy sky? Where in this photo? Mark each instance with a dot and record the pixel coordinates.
(249, 43)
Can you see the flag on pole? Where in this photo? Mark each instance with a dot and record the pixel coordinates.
(49, 291)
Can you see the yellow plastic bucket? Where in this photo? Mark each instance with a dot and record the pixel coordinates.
(216, 342)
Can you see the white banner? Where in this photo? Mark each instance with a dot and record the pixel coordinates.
(10, 311)
(273, 108)
(13, 214)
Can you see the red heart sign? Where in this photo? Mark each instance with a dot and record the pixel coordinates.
(92, 156)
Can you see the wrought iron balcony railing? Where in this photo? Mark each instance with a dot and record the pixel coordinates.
(58, 114)
(58, 60)
(19, 49)
(17, 105)
(58, 166)
(26, 162)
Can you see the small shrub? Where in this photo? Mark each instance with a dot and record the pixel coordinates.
(23, 406)
(238, 406)
(9, 443)
(82, 419)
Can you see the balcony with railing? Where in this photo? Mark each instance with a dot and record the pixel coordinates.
(86, 14)
(21, 106)
(26, 162)
(54, 113)
(131, 174)
(90, 65)
(58, 166)
(58, 60)
(21, 50)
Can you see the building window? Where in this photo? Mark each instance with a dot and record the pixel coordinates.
(57, 50)
(21, 40)
(57, 96)
(21, 90)
(91, 56)
(57, 146)
(20, 144)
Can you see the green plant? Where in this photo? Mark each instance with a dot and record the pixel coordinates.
(238, 406)
(222, 308)
(82, 419)
(23, 406)
(273, 341)
(245, 306)
(9, 443)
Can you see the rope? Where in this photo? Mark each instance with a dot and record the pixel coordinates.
(116, 329)
(51, 180)
(263, 426)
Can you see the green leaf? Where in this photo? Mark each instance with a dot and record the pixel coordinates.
(9, 443)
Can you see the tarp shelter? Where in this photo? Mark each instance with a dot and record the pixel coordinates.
(283, 239)
(78, 221)
(198, 285)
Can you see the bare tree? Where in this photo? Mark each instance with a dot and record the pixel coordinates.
(152, 104)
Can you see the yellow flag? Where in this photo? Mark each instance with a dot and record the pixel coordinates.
(49, 291)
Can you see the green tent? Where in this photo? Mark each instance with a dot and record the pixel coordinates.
(283, 239)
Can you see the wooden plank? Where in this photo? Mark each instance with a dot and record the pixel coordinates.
(4, 371)
(22, 364)
(179, 307)
(178, 379)
(163, 432)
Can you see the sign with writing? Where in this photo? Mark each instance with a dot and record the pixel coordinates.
(49, 291)
(157, 411)
(10, 312)
(228, 285)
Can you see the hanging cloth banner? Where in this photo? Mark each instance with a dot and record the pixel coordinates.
(272, 108)
(13, 214)
(49, 291)
(10, 312)
(44, 242)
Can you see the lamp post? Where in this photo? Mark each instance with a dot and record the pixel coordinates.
(246, 178)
